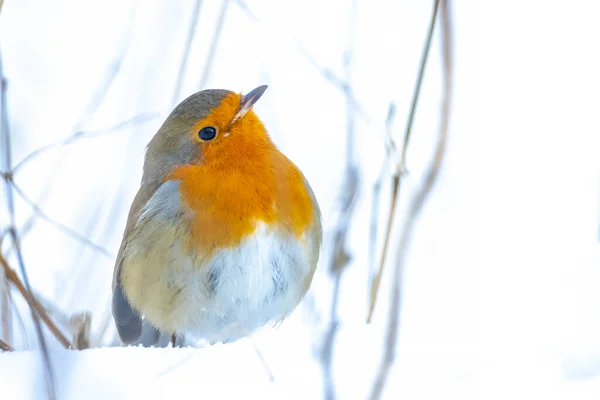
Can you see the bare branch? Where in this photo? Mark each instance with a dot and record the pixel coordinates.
(339, 83)
(30, 221)
(7, 163)
(59, 317)
(390, 147)
(62, 227)
(33, 303)
(93, 106)
(140, 119)
(5, 303)
(6, 308)
(77, 325)
(5, 300)
(339, 260)
(109, 78)
(350, 189)
(326, 73)
(186, 52)
(215, 43)
(396, 179)
(263, 361)
(416, 205)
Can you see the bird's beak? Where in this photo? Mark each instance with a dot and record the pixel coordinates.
(248, 100)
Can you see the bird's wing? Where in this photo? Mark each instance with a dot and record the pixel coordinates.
(127, 319)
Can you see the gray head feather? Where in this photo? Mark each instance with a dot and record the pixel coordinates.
(171, 145)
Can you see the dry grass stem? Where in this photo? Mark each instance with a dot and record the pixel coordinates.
(400, 169)
(416, 205)
(63, 321)
(390, 147)
(81, 324)
(326, 73)
(214, 45)
(263, 362)
(33, 303)
(386, 241)
(6, 307)
(134, 121)
(339, 260)
(6, 165)
(109, 77)
(30, 221)
(60, 226)
(349, 192)
(5, 346)
(186, 51)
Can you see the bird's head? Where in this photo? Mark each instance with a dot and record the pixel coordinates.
(211, 127)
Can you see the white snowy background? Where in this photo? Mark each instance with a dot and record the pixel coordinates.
(500, 290)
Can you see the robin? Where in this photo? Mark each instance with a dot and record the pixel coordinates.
(223, 236)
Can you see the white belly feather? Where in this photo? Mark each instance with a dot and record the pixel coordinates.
(219, 298)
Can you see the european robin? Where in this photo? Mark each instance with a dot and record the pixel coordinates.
(224, 234)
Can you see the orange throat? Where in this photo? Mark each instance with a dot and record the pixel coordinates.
(241, 182)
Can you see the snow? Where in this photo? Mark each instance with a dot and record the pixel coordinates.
(234, 371)
(133, 373)
(500, 294)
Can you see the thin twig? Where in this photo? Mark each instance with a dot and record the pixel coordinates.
(7, 314)
(21, 323)
(416, 205)
(5, 346)
(60, 318)
(139, 119)
(33, 303)
(7, 163)
(263, 361)
(5, 142)
(214, 44)
(350, 189)
(96, 101)
(109, 77)
(73, 272)
(60, 226)
(186, 51)
(80, 325)
(329, 340)
(6, 305)
(326, 73)
(41, 198)
(400, 170)
(341, 84)
(339, 261)
(6, 308)
(390, 147)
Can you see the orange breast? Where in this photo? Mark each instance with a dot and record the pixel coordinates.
(242, 183)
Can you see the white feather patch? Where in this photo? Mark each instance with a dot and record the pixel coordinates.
(243, 288)
(220, 298)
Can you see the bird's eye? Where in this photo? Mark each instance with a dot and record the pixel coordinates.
(207, 133)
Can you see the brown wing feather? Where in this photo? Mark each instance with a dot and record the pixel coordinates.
(127, 319)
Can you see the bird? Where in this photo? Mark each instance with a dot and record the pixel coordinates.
(224, 234)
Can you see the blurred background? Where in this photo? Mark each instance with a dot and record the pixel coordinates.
(489, 287)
